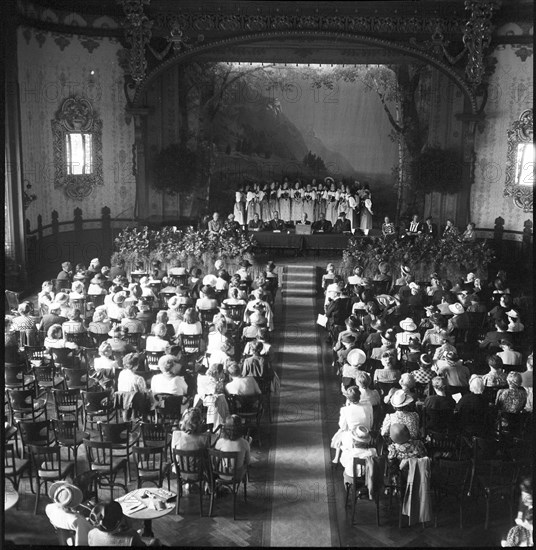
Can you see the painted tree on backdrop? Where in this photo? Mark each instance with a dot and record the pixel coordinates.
(396, 85)
(204, 90)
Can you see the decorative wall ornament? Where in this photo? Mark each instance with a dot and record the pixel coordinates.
(477, 36)
(521, 132)
(138, 34)
(523, 53)
(76, 116)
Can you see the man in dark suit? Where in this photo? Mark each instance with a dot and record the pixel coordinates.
(66, 274)
(276, 224)
(256, 224)
(337, 311)
(342, 224)
(493, 337)
(322, 225)
(430, 228)
(304, 220)
(415, 227)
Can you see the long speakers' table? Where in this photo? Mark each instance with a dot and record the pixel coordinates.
(291, 241)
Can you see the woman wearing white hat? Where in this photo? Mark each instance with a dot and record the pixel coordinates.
(66, 497)
(116, 310)
(351, 415)
(514, 324)
(356, 445)
(354, 360)
(404, 414)
(459, 319)
(409, 330)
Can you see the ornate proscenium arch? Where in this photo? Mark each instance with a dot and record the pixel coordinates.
(410, 51)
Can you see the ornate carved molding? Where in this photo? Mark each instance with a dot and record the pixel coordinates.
(521, 132)
(138, 35)
(76, 115)
(477, 37)
(217, 21)
(402, 48)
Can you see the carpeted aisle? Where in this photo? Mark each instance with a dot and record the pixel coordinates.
(300, 513)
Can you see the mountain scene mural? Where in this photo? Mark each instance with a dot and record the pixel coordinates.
(242, 123)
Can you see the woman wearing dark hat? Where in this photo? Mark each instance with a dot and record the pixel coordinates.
(346, 342)
(61, 512)
(424, 374)
(116, 310)
(96, 285)
(243, 273)
(111, 527)
(195, 282)
(388, 339)
(455, 372)
(272, 279)
(207, 299)
(432, 336)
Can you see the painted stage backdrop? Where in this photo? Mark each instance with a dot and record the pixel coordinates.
(216, 126)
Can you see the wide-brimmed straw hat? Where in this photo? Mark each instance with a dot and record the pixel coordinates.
(65, 494)
(457, 309)
(356, 357)
(361, 434)
(119, 297)
(400, 399)
(408, 324)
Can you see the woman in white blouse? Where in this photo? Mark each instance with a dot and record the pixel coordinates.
(168, 381)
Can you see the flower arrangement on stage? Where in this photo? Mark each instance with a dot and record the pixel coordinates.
(186, 248)
(449, 257)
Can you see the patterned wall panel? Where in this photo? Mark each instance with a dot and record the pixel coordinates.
(511, 92)
(51, 68)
